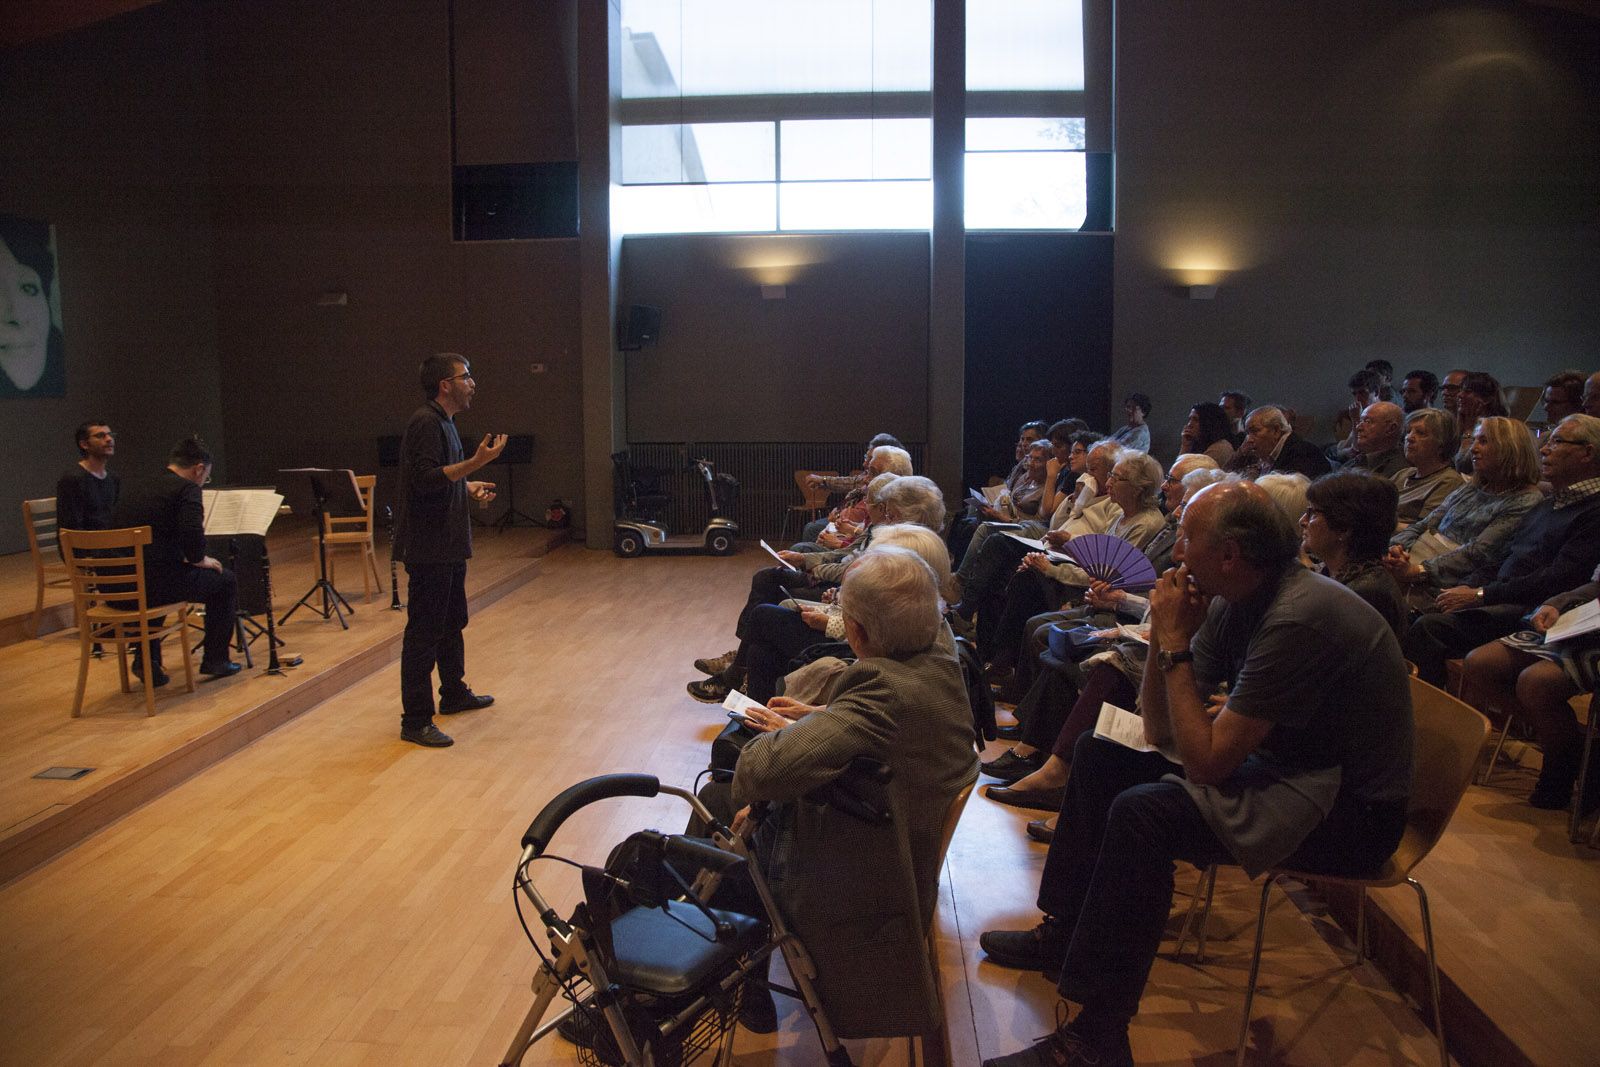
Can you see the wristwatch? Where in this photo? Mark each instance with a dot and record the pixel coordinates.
(1168, 660)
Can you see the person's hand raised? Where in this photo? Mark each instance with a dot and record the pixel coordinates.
(489, 448)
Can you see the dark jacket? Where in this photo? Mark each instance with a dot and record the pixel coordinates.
(174, 509)
(1300, 456)
(1551, 552)
(433, 525)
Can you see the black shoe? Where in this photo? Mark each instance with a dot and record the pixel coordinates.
(1067, 1048)
(1009, 733)
(758, 1013)
(1041, 831)
(1034, 799)
(470, 702)
(429, 736)
(709, 690)
(1010, 767)
(157, 680)
(1029, 950)
(225, 669)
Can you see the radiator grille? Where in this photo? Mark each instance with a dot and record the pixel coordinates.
(765, 470)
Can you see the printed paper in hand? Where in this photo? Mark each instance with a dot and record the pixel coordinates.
(774, 553)
(737, 701)
(1583, 619)
(1037, 545)
(1431, 545)
(1123, 727)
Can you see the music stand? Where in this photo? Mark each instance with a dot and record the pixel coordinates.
(518, 453)
(329, 493)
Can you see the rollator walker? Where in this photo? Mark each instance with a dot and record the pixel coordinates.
(652, 974)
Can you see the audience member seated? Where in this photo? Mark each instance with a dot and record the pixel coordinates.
(903, 703)
(177, 568)
(1431, 476)
(1538, 683)
(1479, 399)
(1135, 433)
(1450, 392)
(1207, 431)
(1039, 585)
(1235, 404)
(1553, 549)
(86, 494)
(1366, 388)
(1345, 526)
(1419, 390)
(1562, 396)
(1069, 460)
(1306, 762)
(845, 522)
(1288, 491)
(1591, 395)
(1377, 440)
(1021, 501)
(983, 575)
(1477, 520)
(1270, 444)
(894, 499)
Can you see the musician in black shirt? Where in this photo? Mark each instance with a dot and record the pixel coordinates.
(433, 536)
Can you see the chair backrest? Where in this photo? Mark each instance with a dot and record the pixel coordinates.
(355, 523)
(106, 566)
(952, 816)
(39, 520)
(1449, 738)
(816, 496)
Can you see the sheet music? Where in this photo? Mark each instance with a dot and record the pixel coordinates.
(1583, 619)
(234, 512)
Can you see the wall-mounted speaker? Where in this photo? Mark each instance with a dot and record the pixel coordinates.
(639, 325)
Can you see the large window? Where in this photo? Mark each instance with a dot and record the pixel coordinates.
(805, 115)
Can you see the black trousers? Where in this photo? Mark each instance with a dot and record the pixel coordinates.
(1109, 872)
(217, 590)
(436, 613)
(772, 638)
(1440, 636)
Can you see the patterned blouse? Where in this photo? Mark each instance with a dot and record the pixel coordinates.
(1479, 521)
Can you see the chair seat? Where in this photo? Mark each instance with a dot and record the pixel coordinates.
(101, 613)
(1391, 873)
(361, 538)
(671, 954)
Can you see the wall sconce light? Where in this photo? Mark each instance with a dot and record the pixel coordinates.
(774, 292)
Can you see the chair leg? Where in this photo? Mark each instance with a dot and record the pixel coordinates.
(147, 645)
(188, 657)
(38, 608)
(1433, 970)
(1585, 765)
(1255, 970)
(1208, 882)
(1494, 757)
(372, 561)
(83, 671)
(122, 665)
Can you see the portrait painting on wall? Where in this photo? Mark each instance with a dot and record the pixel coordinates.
(32, 351)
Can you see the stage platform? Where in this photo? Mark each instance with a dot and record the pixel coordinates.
(134, 756)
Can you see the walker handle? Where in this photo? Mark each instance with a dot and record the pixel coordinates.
(602, 787)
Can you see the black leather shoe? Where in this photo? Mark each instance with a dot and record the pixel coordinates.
(1036, 799)
(225, 669)
(757, 1011)
(429, 736)
(1029, 950)
(159, 679)
(471, 702)
(1009, 733)
(1041, 831)
(1010, 767)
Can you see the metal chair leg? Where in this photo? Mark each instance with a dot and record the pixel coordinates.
(1494, 757)
(1575, 816)
(1255, 970)
(1208, 882)
(1433, 970)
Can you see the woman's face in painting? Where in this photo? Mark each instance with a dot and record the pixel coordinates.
(24, 321)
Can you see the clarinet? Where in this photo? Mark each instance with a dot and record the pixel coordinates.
(273, 666)
(394, 567)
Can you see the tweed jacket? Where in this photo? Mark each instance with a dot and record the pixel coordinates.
(862, 897)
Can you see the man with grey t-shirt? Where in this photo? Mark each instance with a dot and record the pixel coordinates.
(1303, 759)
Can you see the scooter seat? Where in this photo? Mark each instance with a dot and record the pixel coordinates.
(670, 954)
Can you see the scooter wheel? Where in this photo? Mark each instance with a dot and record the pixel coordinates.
(720, 544)
(628, 544)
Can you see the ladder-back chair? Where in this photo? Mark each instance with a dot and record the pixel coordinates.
(39, 520)
(355, 531)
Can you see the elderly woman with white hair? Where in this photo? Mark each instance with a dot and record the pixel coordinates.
(902, 703)
(893, 500)
(840, 527)
(776, 633)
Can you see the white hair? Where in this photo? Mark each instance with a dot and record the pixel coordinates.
(894, 597)
(915, 499)
(1193, 461)
(878, 484)
(1142, 471)
(896, 460)
(1201, 477)
(1272, 418)
(1288, 491)
(1584, 428)
(925, 543)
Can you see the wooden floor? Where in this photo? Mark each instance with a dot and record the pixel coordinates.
(331, 895)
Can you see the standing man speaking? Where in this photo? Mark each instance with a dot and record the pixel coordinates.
(433, 537)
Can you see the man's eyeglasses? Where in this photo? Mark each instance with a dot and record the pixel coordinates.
(1554, 440)
(464, 377)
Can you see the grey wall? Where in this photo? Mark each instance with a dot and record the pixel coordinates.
(1404, 181)
(104, 136)
(842, 357)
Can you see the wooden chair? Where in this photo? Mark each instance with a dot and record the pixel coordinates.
(935, 1052)
(813, 505)
(355, 531)
(39, 520)
(1448, 740)
(106, 568)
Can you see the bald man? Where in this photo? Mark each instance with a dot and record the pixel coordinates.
(1378, 433)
